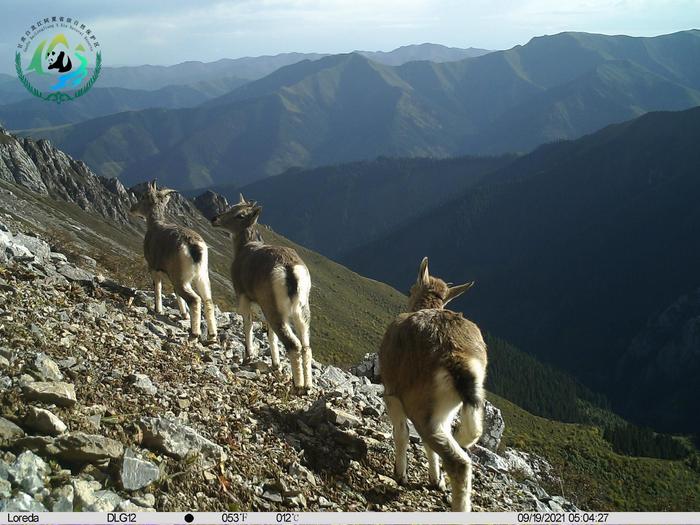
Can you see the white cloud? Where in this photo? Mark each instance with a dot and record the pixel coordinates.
(169, 31)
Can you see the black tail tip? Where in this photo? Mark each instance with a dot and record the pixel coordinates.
(196, 253)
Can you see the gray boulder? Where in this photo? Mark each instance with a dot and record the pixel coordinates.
(44, 422)
(56, 392)
(143, 382)
(80, 448)
(22, 502)
(43, 368)
(493, 427)
(179, 440)
(489, 459)
(137, 473)
(9, 431)
(368, 367)
(28, 472)
(61, 499)
(73, 273)
(40, 249)
(335, 380)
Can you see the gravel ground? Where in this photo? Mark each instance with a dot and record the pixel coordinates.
(107, 406)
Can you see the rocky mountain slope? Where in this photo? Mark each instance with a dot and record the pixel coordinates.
(106, 406)
(60, 197)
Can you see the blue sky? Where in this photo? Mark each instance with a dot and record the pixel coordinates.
(166, 32)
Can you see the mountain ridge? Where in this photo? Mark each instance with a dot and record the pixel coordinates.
(346, 107)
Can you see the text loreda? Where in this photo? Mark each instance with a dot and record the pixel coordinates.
(24, 517)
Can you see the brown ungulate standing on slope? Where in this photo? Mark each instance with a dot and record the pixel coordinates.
(180, 254)
(277, 280)
(433, 365)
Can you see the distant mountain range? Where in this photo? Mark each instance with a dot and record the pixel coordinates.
(253, 68)
(346, 107)
(30, 113)
(361, 200)
(427, 51)
(584, 253)
(188, 84)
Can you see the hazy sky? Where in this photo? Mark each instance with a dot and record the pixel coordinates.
(166, 32)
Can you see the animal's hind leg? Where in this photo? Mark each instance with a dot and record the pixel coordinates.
(186, 291)
(182, 306)
(201, 282)
(301, 319)
(293, 346)
(396, 412)
(274, 349)
(158, 290)
(244, 308)
(434, 468)
(457, 463)
(471, 425)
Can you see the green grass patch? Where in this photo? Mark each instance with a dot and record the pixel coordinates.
(593, 475)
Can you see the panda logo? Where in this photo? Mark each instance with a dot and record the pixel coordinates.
(61, 62)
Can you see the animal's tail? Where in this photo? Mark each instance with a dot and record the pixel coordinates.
(468, 376)
(298, 283)
(196, 252)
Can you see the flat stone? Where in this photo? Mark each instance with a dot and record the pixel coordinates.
(178, 440)
(104, 501)
(58, 393)
(9, 249)
(9, 431)
(246, 374)
(79, 448)
(137, 473)
(344, 419)
(275, 497)
(40, 249)
(57, 257)
(490, 459)
(143, 382)
(72, 273)
(44, 422)
(301, 472)
(334, 379)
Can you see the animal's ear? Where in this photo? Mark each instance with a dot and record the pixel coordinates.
(241, 199)
(456, 291)
(423, 275)
(250, 215)
(152, 185)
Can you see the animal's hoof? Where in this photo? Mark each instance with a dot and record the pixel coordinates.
(401, 479)
(193, 337)
(301, 390)
(440, 485)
